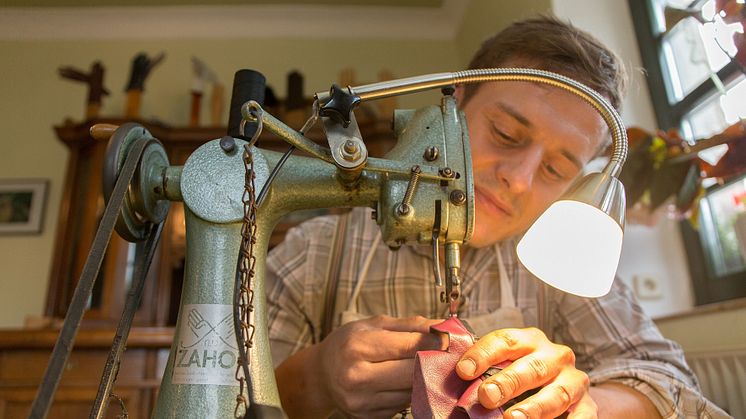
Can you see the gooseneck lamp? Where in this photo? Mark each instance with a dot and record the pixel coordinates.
(576, 243)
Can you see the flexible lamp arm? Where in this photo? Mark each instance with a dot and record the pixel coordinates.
(438, 80)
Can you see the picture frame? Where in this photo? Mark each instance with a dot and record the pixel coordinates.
(22, 203)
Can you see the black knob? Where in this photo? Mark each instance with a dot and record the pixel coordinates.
(247, 85)
(340, 105)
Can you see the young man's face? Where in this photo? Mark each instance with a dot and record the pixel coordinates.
(528, 142)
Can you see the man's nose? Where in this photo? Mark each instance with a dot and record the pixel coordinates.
(517, 173)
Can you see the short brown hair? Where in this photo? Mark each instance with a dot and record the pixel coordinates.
(548, 43)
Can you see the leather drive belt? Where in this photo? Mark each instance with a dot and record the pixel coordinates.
(74, 316)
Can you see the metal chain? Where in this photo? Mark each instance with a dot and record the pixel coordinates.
(124, 413)
(246, 264)
(247, 260)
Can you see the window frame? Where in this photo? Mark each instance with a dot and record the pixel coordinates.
(708, 287)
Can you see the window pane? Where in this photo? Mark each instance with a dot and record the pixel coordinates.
(734, 102)
(718, 213)
(685, 55)
(705, 120)
(667, 10)
(717, 37)
(693, 50)
(717, 112)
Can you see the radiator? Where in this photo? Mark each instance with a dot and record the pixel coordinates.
(722, 376)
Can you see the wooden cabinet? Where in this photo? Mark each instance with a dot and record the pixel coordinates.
(24, 355)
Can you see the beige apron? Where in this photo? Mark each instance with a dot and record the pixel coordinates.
(508, 315)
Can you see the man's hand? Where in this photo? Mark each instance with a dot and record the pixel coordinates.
(363, 369)
(367, 365)
(536, 362)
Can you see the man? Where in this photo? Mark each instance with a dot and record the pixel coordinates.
(529, 143)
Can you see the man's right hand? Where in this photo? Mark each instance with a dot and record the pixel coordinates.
(362, 369)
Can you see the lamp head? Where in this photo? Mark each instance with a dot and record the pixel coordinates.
(576, 243)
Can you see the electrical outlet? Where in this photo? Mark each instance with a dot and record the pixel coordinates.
(647, 287)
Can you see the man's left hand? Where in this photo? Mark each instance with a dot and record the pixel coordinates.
(536, 362)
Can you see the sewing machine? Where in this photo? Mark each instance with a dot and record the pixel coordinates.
(234, 193)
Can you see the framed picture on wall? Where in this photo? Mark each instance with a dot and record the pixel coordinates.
(22, 205)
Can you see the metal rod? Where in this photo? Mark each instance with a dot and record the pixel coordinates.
(111, 369)
(288, 134)
(396, 87)
(436, 244)
(272, 175)
(437, 80)
(66, 339)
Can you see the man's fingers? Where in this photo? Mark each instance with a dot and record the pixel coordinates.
(495, 347)
(586, 408)
(410, 324)
(532, 371)
(392, 400)
(568, 389)
(384, 345)
(529, 372)
(392, 375)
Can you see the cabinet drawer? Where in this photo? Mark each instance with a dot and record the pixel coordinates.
(84, 367)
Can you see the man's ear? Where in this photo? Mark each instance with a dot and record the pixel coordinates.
(459, 94)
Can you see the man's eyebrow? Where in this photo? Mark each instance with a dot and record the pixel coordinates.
(515, 114)
(572, 158)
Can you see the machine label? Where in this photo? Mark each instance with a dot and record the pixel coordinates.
(207, 351)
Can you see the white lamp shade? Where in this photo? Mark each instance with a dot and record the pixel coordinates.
(574, 247)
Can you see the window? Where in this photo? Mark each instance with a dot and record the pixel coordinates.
(698, 87)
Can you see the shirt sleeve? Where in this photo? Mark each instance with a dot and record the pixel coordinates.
(615, 341)
(295, 276)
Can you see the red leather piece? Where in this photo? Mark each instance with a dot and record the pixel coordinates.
(437, 391)
(469, 403)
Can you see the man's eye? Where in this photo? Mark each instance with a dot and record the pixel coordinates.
(553, 172)
(504, 138)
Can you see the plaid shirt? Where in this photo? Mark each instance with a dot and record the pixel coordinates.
(611, 336)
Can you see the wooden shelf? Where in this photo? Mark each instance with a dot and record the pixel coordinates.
(77, 133)
(139, 337)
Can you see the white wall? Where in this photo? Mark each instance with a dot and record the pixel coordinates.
(656, 252)
(483, 18)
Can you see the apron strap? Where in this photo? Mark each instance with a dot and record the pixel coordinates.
(333, 270)
(363, 274)
(543, 313)
(507, 300)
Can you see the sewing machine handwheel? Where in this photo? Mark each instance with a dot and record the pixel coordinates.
(143, 204)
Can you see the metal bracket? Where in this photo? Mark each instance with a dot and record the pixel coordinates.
(346, 143)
